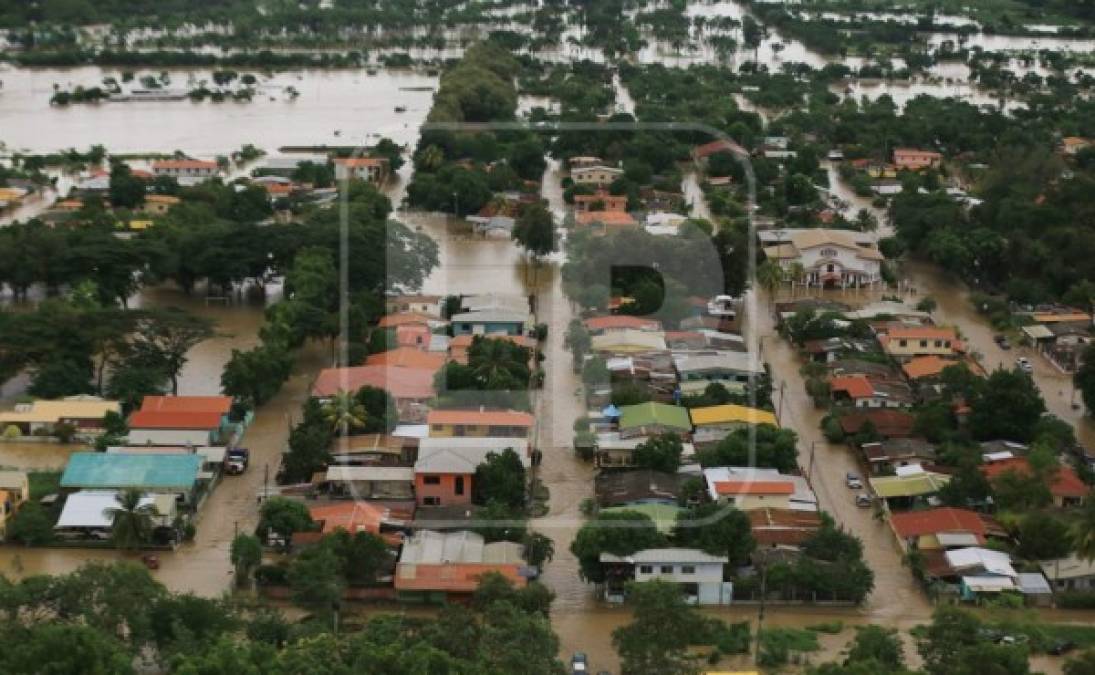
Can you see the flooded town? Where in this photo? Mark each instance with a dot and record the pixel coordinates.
(630, 337)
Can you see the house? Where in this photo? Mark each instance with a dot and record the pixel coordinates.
(801, 498)
(1070, 574)
(371, 169)
(1066, 488)
(488, 321)
(159, 205)
(445, 470)
(651, 419)
(863, 392)
(175, 474)
(83, 412)
(606, 222)
(600, 201)
(368, 482)
(14, 492)
(910, 485)
(438, 566)
(827, 350)
(713, 423)
(423, 305)
(628, 341)
(981, 571)
(699, 575)
(904, 342)
(829, 258)
(914, 159)
(373, 449)
(751, 494)
(734, 370)
(601, 176)
(939, 528)
(361, 516)
(287, 165)
(407, 357)
(885, 456)
(602, 324)
(410, 318)
(175, 427)
(410, 387)
(887, 423)
(185, 168)
(220, 405)
(1072, 145)
(89, 511)
(925, 367)
(773, 527)
(479, 423)
(212, 456)
(586, 161)
(461, 344)
(641, 486)
(616, 450)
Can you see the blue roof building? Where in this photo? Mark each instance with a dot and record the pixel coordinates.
(148, 472)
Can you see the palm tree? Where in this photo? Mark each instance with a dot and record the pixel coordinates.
(431, 157)
(796, 272)
(344, 412)
(770, 275)
(1083, 532)
(494, 363)
(130, 521)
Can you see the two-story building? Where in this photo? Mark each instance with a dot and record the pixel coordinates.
(914, 159)
(734, 370)
(491, 321)
(600, 201)
(371, 169)
(698, 574)
(904, 342)
(601, 176)
(185, 168)
(446, 466)
(83, 412)
(829, 258)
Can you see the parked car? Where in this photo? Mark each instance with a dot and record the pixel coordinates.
(236, 461)
(853, 482)
(579, 664)
(1023, 364)
(1002, 341)
(1061, 647)
(863, 500)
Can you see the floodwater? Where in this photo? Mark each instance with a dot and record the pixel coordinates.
(350, 103)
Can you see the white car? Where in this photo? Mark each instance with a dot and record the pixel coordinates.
(853, 482)
(1023, 364)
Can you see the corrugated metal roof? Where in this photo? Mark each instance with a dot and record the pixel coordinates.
(102, 470)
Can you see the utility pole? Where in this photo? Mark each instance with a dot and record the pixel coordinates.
(779, 410)
(810, 470)
(760, 611)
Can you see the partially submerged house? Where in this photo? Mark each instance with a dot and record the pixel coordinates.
(699, 575)
(438, 566)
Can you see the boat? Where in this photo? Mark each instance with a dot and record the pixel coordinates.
(401, 109)
(370, 71)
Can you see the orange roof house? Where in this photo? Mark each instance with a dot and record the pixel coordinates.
(925, 366)
(453, 563)
(157, 419)
(783, 527)
(609, 220)
(909, 524)
(414, 335)
(715, 147)
(183, 165)
(481, 417)
(407, 357)
(597, 324)
(755, 487)
(608, 202)
(854, 386)
(406, 385)
(1065, 486)
(404, 319)
(913, 158)
(358, 516)
(206, 404)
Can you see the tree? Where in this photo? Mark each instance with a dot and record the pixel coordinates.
(166, 336)
(1008, 407)
(130, 382)
(31, 525)
(282, 516)
(539, 548)
(315, 578)
(770, 275)
(255, 376)
(62, 648)
(1084, 379)
(620, 533)
(716, 529)
(131, 521)
(246, 555)
(344, 413)
(767, 447)
(501, 479)
(877, 644)
(660, 453)
(126, 190)
(381, 414)
(1043, 536)
(363, 554)
(657, 639)
(1084, 664)
(1083, 531)
(535, 230)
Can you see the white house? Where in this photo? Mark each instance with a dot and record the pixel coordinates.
(185, 168)
(698, 574)
(372, 169)
(837, 258)
(601, 176)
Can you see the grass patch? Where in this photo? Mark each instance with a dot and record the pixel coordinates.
(830, 627)
(44, 483)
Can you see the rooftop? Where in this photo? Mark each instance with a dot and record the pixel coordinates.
(175, 419)
(42, 411)
(652, 414)
(615, 321)
(123, 470)
(914, 485)
(494, 418)
(755, 487)
(407, 357)
(401, 383)
(207, 404)
(665, 555)
(909, 524)
(728, 414)
(1065, 482)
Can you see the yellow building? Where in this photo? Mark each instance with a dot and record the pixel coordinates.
(906, 342)
(479, 423)
(730, 417)
(14, 492)
(83, 412)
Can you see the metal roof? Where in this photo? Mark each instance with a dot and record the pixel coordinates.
(666, 555)
(125, 470)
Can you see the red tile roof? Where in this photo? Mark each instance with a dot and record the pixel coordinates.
(1065, 482)
(407, 357)
(856, 386)
(456, 578)
(208, 404)
(622, 321)
(754, 487)
(404, 318)
(168, 419)
(356, 516)
(888, 423)
(402, 383)
(355, 162)
(183, 164)
(910, 524)
(498, 418)
(900, 332)
(607, 218)
(925, 366)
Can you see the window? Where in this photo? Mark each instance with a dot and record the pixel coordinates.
(667, 569)
(458, 431)
(903, 343)
(459, 489)
(431, 480)
(431, 501)
(688, 569)
(438, 427)
(938, 343)
(923, 343)
(646, 569)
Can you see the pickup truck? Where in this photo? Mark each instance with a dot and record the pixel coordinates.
(236, 460)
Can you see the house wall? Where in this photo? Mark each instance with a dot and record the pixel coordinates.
(843, 259)
(901, 347)
(172, 437)
(444, 492)
(675, 572)
(752, 502)
(477, 431)
(915, 160)
(485, 328)
(594, 176)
